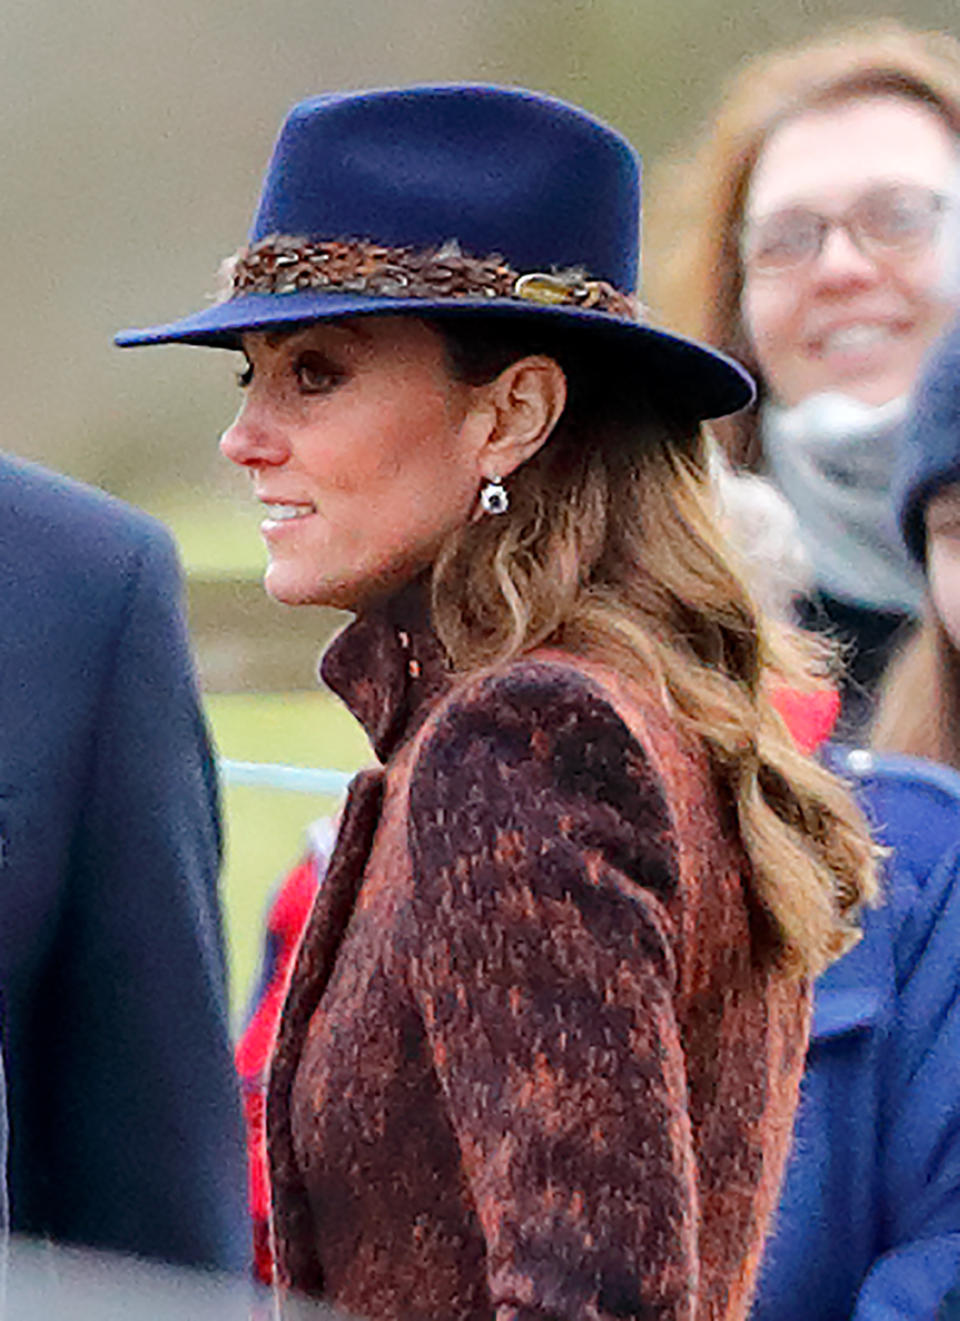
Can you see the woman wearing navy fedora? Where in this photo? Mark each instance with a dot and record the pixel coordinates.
(540, 1052)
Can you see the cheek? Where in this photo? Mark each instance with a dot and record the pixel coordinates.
(933, 301)
(365, 451)
(943, 572)
(408, 479)
(766, 313)
(426, 450)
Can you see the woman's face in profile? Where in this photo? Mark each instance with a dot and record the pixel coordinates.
(943, 558)
(848, 307)
(358, 442)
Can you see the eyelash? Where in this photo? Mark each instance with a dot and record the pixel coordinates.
(301, 368)
(304, 367)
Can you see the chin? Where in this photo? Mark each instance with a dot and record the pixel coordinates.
(353, 593)
(876, 392)
(289, 589)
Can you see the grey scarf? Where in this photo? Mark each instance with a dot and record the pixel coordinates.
(833, 458)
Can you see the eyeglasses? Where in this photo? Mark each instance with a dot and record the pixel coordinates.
(886, 221)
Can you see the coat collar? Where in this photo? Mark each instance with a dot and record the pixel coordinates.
(389, 667)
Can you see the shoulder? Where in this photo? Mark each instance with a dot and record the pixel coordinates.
(538, 748)
(912, 804)
(39, 501)
(73, 534)
(530, 711)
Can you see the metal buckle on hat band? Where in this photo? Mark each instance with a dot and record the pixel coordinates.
(284, 265)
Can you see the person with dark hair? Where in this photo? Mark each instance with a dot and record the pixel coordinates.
(541, 1046)
(124, 1123)
(813, 231)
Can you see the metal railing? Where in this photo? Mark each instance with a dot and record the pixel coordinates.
(292, 779)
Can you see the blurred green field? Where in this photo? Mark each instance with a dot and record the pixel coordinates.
(217, 532)
(264, 827)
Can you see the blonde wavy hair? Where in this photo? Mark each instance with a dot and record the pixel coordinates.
(695, 214)
(611, 549)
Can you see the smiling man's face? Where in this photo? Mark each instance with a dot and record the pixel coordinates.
(854, 318)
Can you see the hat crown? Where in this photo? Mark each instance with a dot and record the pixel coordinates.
(929, 457)
(366, 192)
(501, 170)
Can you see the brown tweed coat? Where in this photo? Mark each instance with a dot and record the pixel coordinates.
(529, 1065)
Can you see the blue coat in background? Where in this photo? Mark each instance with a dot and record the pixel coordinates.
(123, 1113)
(869, 1222)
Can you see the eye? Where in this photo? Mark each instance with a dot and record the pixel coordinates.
(244, 374)
(315, 374)
(782, 240)
(900, 216)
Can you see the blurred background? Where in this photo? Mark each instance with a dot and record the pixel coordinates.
(134, 139)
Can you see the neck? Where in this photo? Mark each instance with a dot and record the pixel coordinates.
(388, 666)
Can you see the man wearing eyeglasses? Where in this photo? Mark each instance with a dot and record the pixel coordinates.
(843, 265)
(845, 251)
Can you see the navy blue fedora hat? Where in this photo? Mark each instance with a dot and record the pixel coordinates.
(455, 199)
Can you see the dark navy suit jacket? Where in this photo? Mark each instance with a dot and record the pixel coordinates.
(123, 1118)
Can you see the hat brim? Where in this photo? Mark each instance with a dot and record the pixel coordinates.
(707, 383)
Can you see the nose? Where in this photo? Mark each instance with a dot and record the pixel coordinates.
(841, 259)
(253, 440)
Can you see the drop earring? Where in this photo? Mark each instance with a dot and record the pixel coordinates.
(493, 496)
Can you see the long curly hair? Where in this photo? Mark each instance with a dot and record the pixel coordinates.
(611, 549)
(697, 198)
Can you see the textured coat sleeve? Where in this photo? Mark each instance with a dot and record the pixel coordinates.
(136, 1133)
(919, 1144)
(544, 969)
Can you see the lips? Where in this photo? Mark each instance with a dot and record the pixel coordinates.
(283, 516)
(288, 511)
(856, 337)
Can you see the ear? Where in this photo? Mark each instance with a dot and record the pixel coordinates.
(523, 405)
